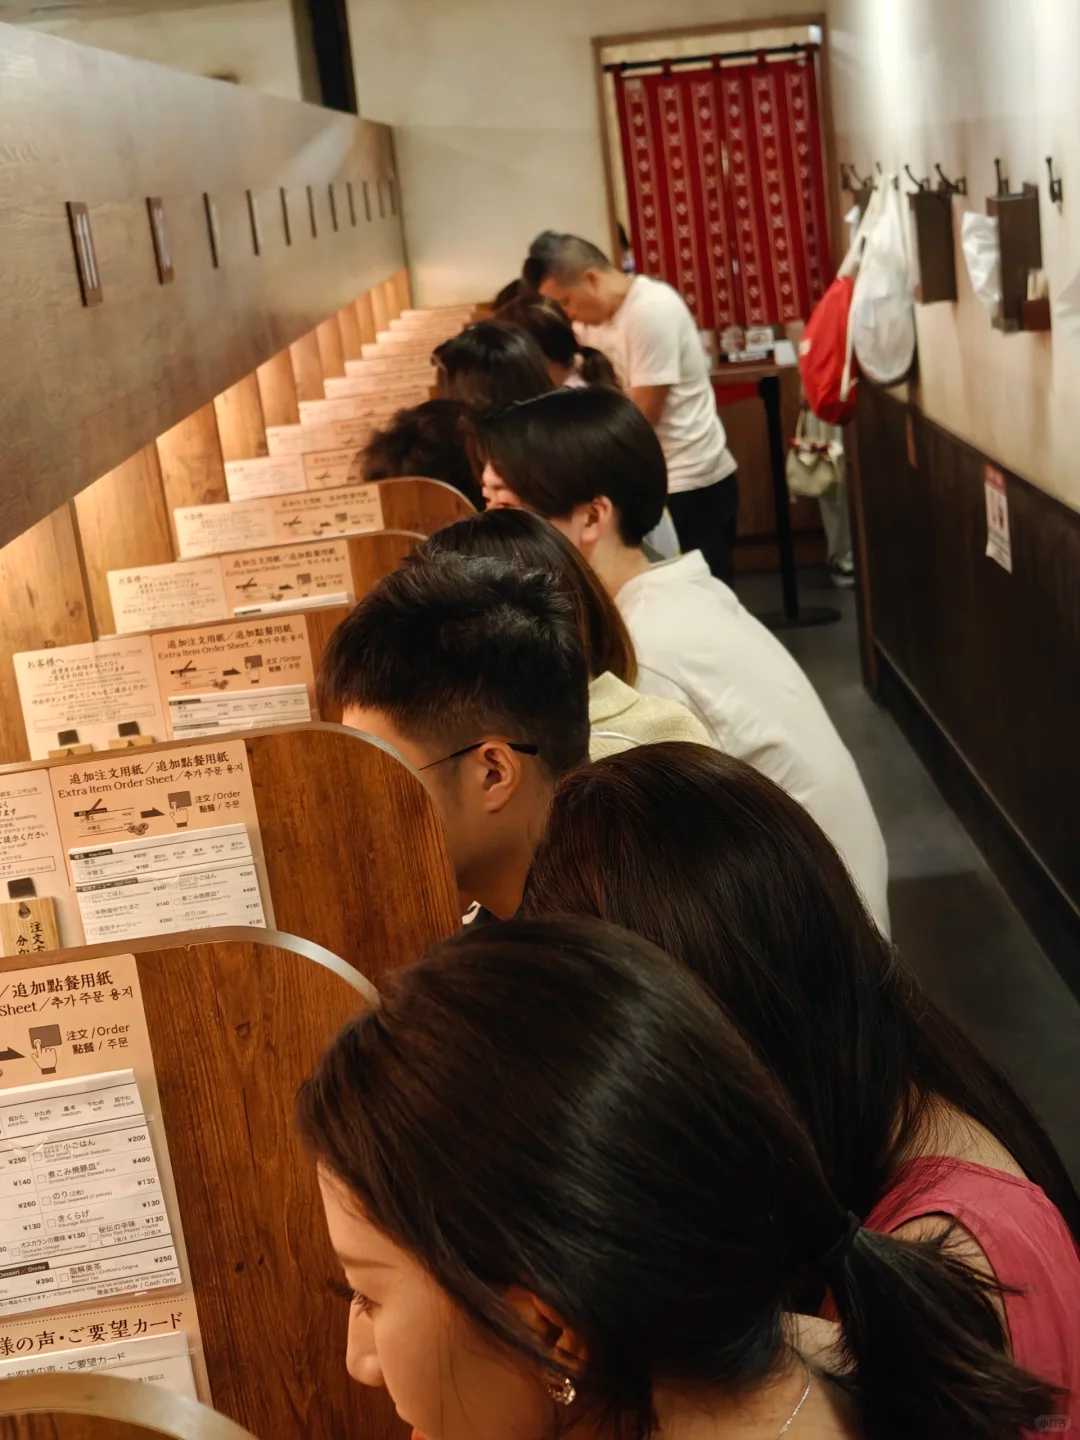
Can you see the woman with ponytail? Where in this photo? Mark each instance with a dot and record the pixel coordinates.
(568, 361)
(569, 1201)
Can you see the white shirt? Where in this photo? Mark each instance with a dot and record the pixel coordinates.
(620, 718)
(652, 340)
(695, 643)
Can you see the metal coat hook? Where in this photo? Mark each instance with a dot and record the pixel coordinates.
(919, 184)
(1057, 186)
(1002, 180)
(950, 187)
(881, 172)
(852, 181)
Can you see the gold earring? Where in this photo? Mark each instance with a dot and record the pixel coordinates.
(561, 1389)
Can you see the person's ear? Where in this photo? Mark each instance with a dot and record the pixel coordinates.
(562, 1342)
(596, 522)
(495, 773)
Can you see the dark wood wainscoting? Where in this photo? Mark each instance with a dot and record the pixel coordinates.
(981, 667)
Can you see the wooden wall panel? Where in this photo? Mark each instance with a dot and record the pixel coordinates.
(122, 522)
(307, 367)
(241, 428)
(192, 468)
(107, 380)
(421, 506)
(331, 351)
(45, 604)
(404, 290)
(990, 656)
(277, 390)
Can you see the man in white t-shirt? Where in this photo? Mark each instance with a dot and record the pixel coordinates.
(645, 329)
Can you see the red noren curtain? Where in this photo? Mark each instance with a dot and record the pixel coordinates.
(726, 188)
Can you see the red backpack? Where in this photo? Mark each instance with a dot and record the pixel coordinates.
(823, 352)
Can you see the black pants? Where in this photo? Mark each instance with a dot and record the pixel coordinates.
(706, 519)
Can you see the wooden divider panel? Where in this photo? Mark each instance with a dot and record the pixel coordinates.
(104, 1407)
(349, 325)
(122, 522)
(192, 466)
(365, 314)
(45, 603)
(378, 309)
(307, 367)
(331, 353)
(236, 1022)
(404, 289)
(241, 427)
(277, 390)
(422, 505)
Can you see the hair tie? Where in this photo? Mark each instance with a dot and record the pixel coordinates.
(837, 1253)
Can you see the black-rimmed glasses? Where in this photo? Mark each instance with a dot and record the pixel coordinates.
(476, 745)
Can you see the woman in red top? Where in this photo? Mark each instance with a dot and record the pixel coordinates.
(918, 1133)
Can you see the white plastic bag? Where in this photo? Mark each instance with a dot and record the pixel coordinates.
(882, 307)
(982, 255)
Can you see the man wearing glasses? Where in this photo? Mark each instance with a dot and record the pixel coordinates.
(473, 671)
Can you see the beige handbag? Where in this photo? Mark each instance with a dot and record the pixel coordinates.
(815, 461)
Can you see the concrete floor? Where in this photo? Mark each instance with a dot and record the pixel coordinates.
(951, 919)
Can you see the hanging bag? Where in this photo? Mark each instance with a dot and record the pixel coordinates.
(828, 373)
(882, 323)
(982, 255)
(815, 462)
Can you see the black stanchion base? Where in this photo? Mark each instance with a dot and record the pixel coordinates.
(808, 615)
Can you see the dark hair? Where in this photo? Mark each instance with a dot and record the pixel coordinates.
(490, 365)
(574, 445)
(428, 440)
(561, 257)
(547, 323)
(555, 1105)
(515, 290)
(531, 543)
(462, 647)
(710, 860)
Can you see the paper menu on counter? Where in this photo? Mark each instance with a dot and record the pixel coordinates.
(316, 514)
(31, 850)
(217, 529)
(293, 575)
(153, 596)
(236, 710)
(164, 884)
(82, 1210)
(90, 689)
(154, 1359)
(305, 439)
(268, 475)
(221, 669)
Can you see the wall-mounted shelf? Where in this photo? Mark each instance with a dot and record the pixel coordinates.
(932, 211)
(1020, 237)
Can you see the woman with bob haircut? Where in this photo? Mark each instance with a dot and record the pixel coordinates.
(569, 1201)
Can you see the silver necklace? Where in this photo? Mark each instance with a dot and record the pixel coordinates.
(794, 1414)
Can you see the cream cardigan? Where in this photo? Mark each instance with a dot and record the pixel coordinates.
(620, 718)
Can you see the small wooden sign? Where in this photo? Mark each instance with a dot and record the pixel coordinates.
(311, 213)
(162, 253)
(285, 215)
(352, 201)
(85, 255)
(333, 205)
(253, 216)
(27, 921)
(212, 229)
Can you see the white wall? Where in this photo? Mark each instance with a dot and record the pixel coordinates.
(253, 39)
(496, 120)
(960, 82)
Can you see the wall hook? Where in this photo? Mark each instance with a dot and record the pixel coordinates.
(1057, 187)
(950, 187)
(919, 184)
(1002, 180)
